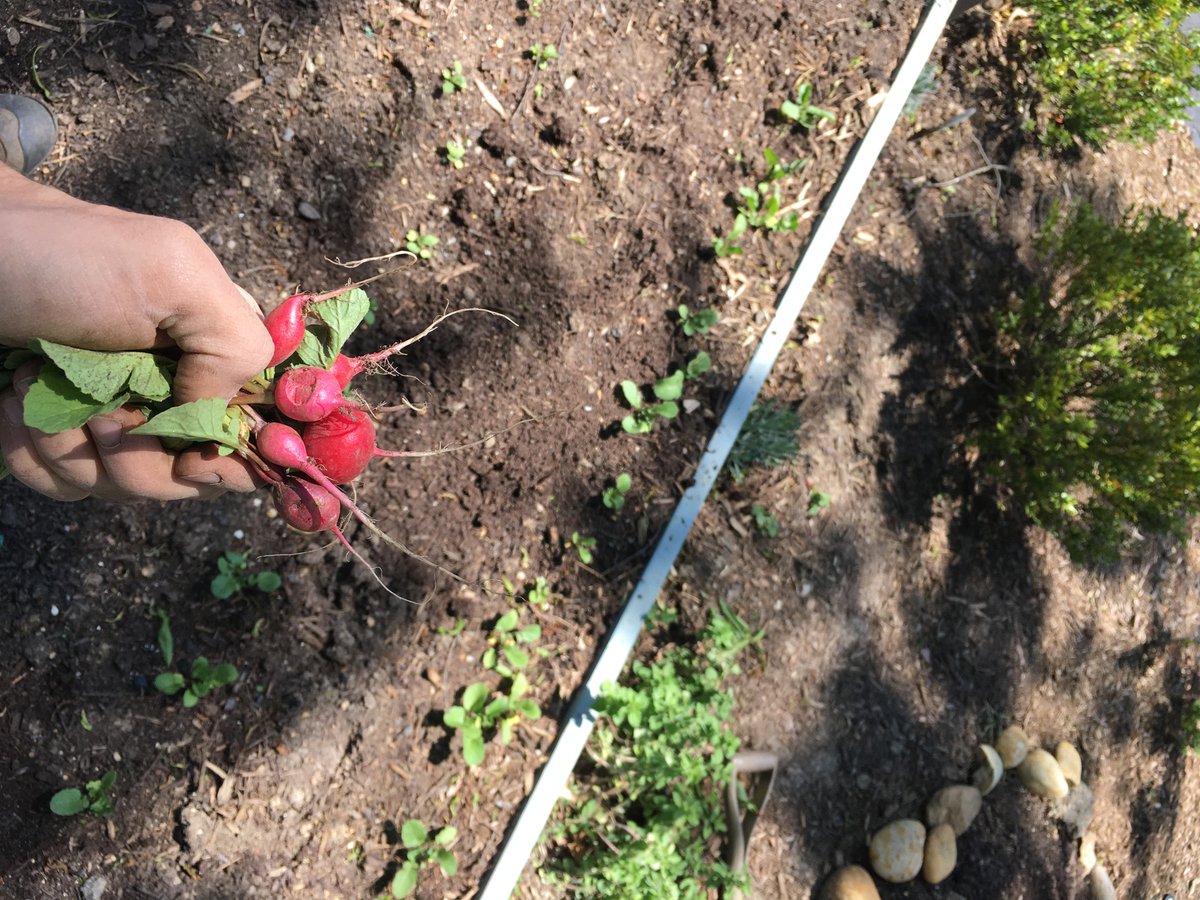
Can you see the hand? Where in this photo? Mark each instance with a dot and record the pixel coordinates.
(102, 279)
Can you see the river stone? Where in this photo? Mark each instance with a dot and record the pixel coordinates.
(989, 770)
(897, 850)
(1041, 775)
(1069, 762)
(1012, 745)
(850, 883)
(1101, 885)
(957, 806)
(941, 853)
(1087, 853)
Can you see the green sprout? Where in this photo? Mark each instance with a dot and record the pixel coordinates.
(613, 496)
(453, 79)
(421, 851)
(543, 54)
(419, 243)
(234, 577)
(93, 798)
(801, 110)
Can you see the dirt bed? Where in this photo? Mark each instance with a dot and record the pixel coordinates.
(904, 623)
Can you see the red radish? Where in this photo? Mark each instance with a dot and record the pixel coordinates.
(285, 324)
(344, 369)
(307, 394)
(306, 506)
(341, 444)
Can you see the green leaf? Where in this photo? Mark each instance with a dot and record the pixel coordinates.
(475, 696)
(517, 658)
(528, 709)
(488, 660)
(341, 314)
(445, 836)
(224, 586)
(454, 717)
(190, 697)
(529, 633)
(632, 394)
(447, 860)
(53, 404)
(224, 674)
(507, 622)
(473, 747)
(404, 882)
(624, 482)
(267, 581)
(698, 365)
(413, 834)
(200, 669)
(637, 425)
(201, 420)
(166, 641)
(669, 388)
(104, 375)
(520, 686)
(667, 409)
(68, 802)
(170, 683)
(102, 806)
(100, 787)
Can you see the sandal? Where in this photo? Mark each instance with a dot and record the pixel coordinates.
(27, 132)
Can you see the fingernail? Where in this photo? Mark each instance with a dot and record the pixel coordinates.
(106, 432)
(14, 411)
(203, 478)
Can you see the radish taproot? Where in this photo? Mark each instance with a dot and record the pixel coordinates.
(285, 324)
(305, 505)
(308, 394)
(341, 444)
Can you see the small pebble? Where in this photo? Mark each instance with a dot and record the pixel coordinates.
(289, 135)
(1069, 762)
(1087, 853)
(94, 888)
(1012, 745)
(956, 806)
(941, 854)
(989, 770)
(1101, 885)
(1040, 773)
(898, 850)
(308, 211)
(850, 883)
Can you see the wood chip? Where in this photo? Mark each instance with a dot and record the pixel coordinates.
(490, 99)
(236, 97)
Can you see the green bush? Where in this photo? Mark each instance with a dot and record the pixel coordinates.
(1113, 69)
(1099, 422)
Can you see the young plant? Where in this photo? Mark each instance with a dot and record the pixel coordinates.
(613, 496)
(818, 501)
(765, 521)
(419, 243)
(483, 711)
(539, 594)
(93, 798)
(698, 322)
(1190, 728)
(801, 111)
(666, 392)
(503, 655)
(422, 851)
(455, 154)
(205, 677)
(761, 207)
(697, 366)
(583, 546)
(234, 577)
(767, 439)
(543, 54)
(453, 79)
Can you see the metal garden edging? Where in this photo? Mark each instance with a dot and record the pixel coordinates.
(515, 852)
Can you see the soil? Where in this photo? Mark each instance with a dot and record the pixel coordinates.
(905, 623)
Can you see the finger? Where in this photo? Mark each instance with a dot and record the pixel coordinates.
(16, 442)
(137, 466)
(204, 464)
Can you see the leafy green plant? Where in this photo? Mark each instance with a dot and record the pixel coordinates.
(543, 54)
(1111, 70)
(646, 809)
(761, 207)
(1097, 431)
(583, 546)
(93, 798)
(767, 439)
(205, 677)
(455, 154)
(484, 711)
(765, 521)
(419, 243)
(1190, 728)
(818, 501)
(613, 497)
(453, 79)
(801, 111)
(234, 576)
(421, 851)
(503, 654)
(698, 322)
(539, 594)
(666, 392)
(697, 366)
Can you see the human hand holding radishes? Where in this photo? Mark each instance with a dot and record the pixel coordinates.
(98, 278)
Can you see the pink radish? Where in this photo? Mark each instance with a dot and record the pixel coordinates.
(344, 369)
(308, 394)
(285, 324)
(306, 506)
(341, 444)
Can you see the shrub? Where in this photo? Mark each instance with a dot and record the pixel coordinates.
(1113, 69)
(1099, 423)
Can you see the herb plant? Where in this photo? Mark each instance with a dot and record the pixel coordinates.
(93, 798)
(767, 439)
(666, 392)
(698, 322)
(761, 207)
(234, 577)
(613, 496)
(801, 111)
(583, 546)
(503, 654)
(484, 711)
(204, 678)
(422, 851)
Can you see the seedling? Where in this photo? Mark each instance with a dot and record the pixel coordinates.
(767, 439)
(539, 594)
(422, 851)
(453, 79)
(614, 496)
(503, 655)
(419, 243)
(543, 54)
(93, 798)
(761, 207)
(583, 546)
(666, 391)
(235, 577)
(697, 366)
(455, 153)
(818, 501)
(481, 712)
(205, 677)
(801, 111)
(698, 322)
(454, 630)
(1190, 727)
(764, 521)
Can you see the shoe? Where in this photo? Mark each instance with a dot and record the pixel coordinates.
(27, 132)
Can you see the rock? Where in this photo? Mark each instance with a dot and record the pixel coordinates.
(957, 806)
(1076, 809)
(1012, 745)
(1069, 762)
(308, 211)
(989, 770)
(1040, 773)
(898, 850)
(850, 883)
(1087, 853)
(1101, 885)
(941, 854)
(94, 888)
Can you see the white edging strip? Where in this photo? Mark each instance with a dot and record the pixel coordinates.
(580, 718)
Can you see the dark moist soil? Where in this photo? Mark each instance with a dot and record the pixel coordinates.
(907, 622)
